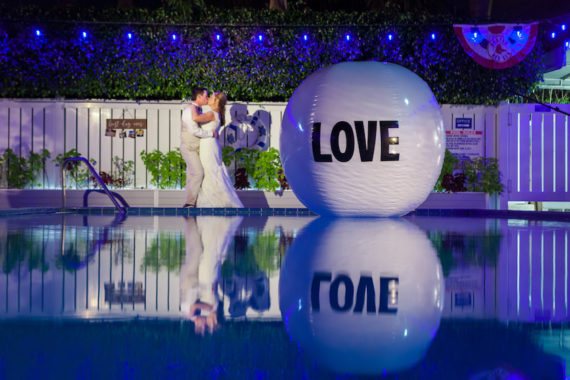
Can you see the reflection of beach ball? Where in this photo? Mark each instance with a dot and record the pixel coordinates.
(362, 138)
(362, 296)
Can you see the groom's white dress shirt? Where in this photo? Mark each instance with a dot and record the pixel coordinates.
(192, 126)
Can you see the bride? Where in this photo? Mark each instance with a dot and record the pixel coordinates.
(217, 189)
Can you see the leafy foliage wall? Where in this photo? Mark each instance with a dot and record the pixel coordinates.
(152, 65)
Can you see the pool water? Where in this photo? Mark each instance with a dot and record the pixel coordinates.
(279, 296)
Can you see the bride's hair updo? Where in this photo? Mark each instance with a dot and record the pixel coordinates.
(221, 101)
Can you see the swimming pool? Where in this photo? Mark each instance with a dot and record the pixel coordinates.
(282, 294)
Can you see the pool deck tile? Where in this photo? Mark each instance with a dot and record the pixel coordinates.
(170, 211)
(179, 211)
(145, 211)
(133, 211)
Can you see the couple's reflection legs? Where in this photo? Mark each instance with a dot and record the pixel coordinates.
(207, 241)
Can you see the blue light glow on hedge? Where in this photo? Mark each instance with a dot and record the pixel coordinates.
(173, 37)
(553, 35)
(433, 36)
(135, 73)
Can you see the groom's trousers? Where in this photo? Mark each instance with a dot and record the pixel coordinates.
(194, 173)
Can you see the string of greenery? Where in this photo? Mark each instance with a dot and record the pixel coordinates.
(152, 65)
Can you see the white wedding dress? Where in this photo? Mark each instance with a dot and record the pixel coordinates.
(217, 189)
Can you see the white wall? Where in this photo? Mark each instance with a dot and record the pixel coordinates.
(530, 140)
(62, 125)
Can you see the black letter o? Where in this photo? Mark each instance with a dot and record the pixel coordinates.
(348, 294)
(335, 148)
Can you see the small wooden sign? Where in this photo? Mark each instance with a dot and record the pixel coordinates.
(126, 123)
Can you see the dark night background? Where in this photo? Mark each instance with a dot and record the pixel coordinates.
(496, 10)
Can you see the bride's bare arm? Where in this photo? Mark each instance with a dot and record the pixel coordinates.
(202, 118)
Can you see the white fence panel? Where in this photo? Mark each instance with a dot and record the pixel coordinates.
(534, 158)
(59, 126)
(533, 272)
(533, 153)
(561, 154)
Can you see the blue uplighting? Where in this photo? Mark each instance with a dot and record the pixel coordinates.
(433, 36)
(563, 26)
(390, 37)
(218, 37)
(38, 32)
(129, 35)
(84, 34)
(553, 35)
(260, 37)
(305, 37)
(347, 37)
(474, 35)
(173, 37)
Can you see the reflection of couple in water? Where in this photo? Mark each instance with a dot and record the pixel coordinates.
(207, 242)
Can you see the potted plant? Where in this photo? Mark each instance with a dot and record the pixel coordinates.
(79, 174)
(17, 172)
(168, 170)
(466, 183)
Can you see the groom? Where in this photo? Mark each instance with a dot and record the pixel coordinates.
(190, 144)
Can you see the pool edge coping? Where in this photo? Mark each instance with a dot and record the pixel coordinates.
(279, 211)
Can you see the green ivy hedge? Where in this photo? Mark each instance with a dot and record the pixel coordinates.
(152, 65)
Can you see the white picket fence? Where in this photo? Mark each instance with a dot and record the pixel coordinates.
(534, 152)
(59, 126)
(531, 141)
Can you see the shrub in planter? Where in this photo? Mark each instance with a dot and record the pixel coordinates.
(168, 170)
(266, 172)
(241, 181)
(166, 251)
(454, 183)
(263, 167)
(79, 173)
(447, 168)
(123, 176)
(477, 175)
(19, 172)
(482, 174)
(282, 179)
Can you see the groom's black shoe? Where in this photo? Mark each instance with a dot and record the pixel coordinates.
(186, 205)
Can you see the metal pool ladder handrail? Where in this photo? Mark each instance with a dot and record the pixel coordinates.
(97, 176)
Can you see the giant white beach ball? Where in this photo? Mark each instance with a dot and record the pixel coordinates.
(362, 295)
(362, 139)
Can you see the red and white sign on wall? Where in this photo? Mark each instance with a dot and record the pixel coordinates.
(464, 143)
(462, 140)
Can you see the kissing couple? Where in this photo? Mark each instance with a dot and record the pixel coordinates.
(208, 183)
